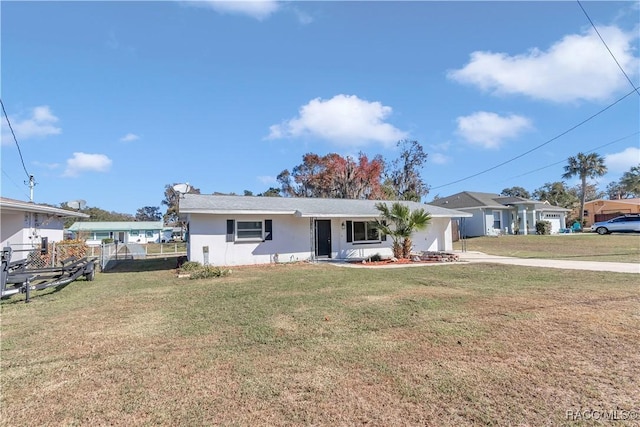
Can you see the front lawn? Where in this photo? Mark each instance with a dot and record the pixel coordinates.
(303, 344)
(578, 246)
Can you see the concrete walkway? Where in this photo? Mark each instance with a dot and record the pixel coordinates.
(617, 267)
(479, 257)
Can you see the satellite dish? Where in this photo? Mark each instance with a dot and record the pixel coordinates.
(182, 188)
(77, 204)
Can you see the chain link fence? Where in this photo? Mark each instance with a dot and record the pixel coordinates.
(107, 254)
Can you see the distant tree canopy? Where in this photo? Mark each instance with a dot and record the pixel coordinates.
(334, 176)
(630, 181)
(516, 192)
(171, 198)
(95, 215)
(402, 180)
(149, 213)
(271, 192)
(556, 193)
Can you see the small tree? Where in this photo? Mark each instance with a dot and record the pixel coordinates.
(399, 222)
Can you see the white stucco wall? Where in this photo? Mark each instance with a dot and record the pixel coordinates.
(23, 231)
(292, 240)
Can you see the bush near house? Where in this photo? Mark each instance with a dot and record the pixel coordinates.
(543, 227)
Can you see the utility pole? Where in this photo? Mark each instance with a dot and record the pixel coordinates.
(32, 183)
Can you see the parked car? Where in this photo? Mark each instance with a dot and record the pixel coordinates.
(620, 224)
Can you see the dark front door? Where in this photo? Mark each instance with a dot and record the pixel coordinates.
(323, 238)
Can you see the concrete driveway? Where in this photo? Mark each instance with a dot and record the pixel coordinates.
(617, 267)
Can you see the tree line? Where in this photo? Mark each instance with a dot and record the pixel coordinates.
(336, 176)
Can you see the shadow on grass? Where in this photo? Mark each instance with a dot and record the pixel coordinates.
(142, 265)
(21, 297)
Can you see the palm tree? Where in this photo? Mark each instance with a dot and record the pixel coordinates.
(400, 222)
(585, 166)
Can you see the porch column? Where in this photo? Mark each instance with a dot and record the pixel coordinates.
(523, 221)
(533, 216)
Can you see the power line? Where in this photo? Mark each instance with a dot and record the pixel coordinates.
(605, 45)
(539, 146)
(16, 141)
(564, 160)
(13, 182)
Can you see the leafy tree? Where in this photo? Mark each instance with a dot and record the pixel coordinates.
(334, 176)
(556, 193)
(248, 193)
(584, 166)
(171, 199)
(630, 181)
(148, 213)
(271, 192)
(95, 215)
(615, 191)
(399, 222)
(516, 192)
(402, 178)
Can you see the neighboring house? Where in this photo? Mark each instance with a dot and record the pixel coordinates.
(121, 231)
(604, 210)
(493, 214)
(25, 225)
(239, 230)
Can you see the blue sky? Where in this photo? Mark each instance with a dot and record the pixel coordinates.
(111, 101)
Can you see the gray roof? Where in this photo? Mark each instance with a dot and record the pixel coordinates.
(116, 225)
(474, 200)
(302, 207)
(9, 205)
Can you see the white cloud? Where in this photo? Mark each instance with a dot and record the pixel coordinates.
(129, 137)
(489, 130)
(344, 120)
(622, 161)
(83, 162)
(40, 123)
(439, 158)
(578, 67)
(258, 9)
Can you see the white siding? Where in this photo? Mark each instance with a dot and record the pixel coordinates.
(475, 226)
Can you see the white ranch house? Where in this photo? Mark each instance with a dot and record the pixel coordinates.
(121, 231)
(241, 230)
(26, 225)
(494, 214)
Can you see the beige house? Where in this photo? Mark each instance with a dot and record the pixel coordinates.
(603, 210)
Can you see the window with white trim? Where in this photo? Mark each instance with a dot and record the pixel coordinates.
(497, 220)
(249, 230)
(149, 233)
(365, 231)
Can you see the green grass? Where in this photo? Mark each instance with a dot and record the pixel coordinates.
(578, 246)
(318, 344)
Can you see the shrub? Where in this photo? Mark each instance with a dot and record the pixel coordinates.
(190, 266)
(543, 227)
(208, 271)
(107, 240)
(376, 257)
